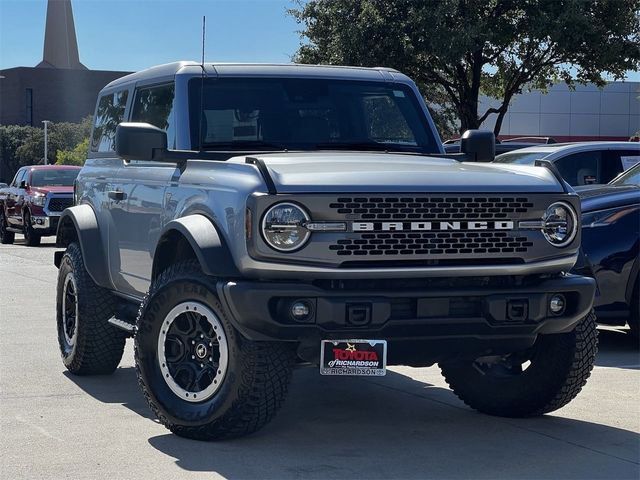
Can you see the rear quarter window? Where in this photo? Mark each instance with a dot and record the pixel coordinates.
(109, 113)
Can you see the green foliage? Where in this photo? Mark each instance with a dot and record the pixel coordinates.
(454, 49)
(75, 156)
(23, 145)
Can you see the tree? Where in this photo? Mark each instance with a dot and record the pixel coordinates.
(11, 138)
(75, 156)
(465, 47)
(24, 145)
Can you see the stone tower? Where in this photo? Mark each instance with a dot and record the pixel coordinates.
(60, 44)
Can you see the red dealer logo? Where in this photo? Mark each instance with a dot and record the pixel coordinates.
(350, 353)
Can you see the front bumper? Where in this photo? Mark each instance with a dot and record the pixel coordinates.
(45, 224)
(428, 324)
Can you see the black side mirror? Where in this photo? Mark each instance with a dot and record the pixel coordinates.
(23, 184)
(140, 141)
(478, 145)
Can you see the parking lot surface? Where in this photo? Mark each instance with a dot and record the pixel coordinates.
(405, 425)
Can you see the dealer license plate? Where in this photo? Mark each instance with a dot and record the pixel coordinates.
(365, 358)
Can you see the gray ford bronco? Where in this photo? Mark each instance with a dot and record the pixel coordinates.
(237, 220)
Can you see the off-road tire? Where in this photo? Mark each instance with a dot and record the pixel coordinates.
(6, 237)
(98, 346)
(557, 373)
(257, 376)
(31, 238)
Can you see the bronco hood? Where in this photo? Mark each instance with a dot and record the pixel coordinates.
(337, 172)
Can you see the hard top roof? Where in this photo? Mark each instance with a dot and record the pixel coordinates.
(262, 70)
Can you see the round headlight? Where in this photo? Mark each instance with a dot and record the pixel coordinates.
(283, 227)
(559, 224)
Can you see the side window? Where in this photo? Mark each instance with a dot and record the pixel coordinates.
(109, 114)
(626, 158)
(154, 105)
(22, 177)
(15, 182)
(581, 168)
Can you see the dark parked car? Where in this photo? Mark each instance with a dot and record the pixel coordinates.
(610, 242)
(583, 163)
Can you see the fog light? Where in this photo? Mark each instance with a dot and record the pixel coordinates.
(300, 310)
(557, 304)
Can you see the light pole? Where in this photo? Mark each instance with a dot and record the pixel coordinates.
(46, 141)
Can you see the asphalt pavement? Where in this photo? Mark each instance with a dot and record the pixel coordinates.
(405, 425)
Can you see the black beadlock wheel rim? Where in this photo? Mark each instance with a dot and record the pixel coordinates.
(192, 351)
(70, 310)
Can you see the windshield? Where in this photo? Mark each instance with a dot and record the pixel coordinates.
(630, 177)
(54, 178)
(293, 113)
(521, 158)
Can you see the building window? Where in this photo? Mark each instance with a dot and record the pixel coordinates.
(29, 104)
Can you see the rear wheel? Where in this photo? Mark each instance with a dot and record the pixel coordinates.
(88, 343)
(200, 376)
(31, 238)
(539, 380)
(6, 237)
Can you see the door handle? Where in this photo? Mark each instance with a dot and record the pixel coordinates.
(116, 195)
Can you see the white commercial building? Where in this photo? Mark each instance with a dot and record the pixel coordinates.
(586, 113)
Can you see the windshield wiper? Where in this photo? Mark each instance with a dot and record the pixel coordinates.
(244, 145)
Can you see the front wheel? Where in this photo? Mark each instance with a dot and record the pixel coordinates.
(539, 380)
(200, 376)
(31, 238)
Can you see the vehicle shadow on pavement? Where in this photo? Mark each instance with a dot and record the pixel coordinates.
(397, 427)
(120, 387)
(617, 349)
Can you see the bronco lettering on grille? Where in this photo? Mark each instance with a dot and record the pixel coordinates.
(431, 226)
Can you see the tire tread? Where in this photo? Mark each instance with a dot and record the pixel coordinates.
(266, 367)
(100, 346)
(568, 377)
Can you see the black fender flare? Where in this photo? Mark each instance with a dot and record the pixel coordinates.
(80, 223)
(206, 242)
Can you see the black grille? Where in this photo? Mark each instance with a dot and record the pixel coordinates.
(59, 204)
(431, 208)
(432, 243)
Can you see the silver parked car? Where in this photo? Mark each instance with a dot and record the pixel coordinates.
(583, 163)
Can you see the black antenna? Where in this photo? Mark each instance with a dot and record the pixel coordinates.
(200, 135)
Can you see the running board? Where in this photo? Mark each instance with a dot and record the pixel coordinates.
(122, 325)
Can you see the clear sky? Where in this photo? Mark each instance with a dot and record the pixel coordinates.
(130, 35)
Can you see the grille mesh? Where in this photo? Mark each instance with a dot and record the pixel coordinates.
(470, 243)
(431, 208)
(59, 204)
(432, 243)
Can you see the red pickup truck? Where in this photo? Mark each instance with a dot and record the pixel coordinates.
(33, 202)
